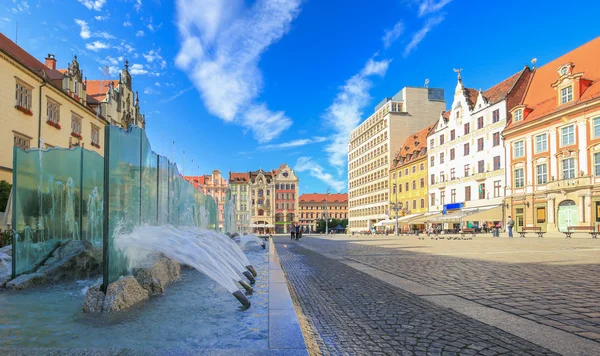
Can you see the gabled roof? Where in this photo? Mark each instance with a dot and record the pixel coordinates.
(471, 95)
(542, 99)
(97, 89)
(238, 177)
(413, 144)
(26, 59)
(499, 91)
(320, 198)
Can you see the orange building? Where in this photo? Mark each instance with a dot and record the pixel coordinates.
(313, 208)
(552, 144)
(215, 186)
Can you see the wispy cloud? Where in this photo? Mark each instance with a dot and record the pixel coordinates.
(177, 95)
(295, 143)
(127, 24)
(85, 29)
(154, 56)
(102, 18)
(392, 34)
(21, 6)
(315, 170)
(138, 5)
(140, 33)
(93, 4)
(137, 69)
(420, 35)
(431, 6)
(97, 45)
(222, 42)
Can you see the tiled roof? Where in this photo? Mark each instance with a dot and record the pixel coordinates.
(541, 98)
(26, 59)
(471, 95)
(97, 89)
(320, 198)
(446, 114)
(499, 91)
(413, 144)
(238, 177)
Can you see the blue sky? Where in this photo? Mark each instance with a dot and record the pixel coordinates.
(241, 85)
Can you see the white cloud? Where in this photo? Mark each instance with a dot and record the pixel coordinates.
(157, 84)
(150, 91)
(137, 69)
(138, 5)
(153, 56)
(295, 143)
(105, 35)
(392, 34)
(20, 7)
(420, 35)
(222, 42)
(127, 24)
(112, 60)
(112, 70)
(346, 111)
(93, 5)
(430, 6)
(97, 45)
(307, 164)
(102, 18)
(140, 33)
(124, 47)
(85, 29)
(177, 95)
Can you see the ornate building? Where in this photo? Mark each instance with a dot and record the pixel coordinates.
(215, 186)
(314, 207)
(286, 198)
(553, 145)
(262, 203)
(239, 186)
(373, 145)
(45, 107)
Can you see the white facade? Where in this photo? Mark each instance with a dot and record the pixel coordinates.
(465, 153)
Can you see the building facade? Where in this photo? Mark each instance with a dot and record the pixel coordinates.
(408, 176)
(44, 107)
(286, 198)
(314, 207)
(239, 186)
(465, 149)
(262, 204)
(213, 185)
(553, 145)
(374, 144)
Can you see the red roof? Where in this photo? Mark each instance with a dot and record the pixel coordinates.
(411, 150)
(471, 95)
(97, 89)
(238, 177)
(26, 59)
(542, 98)
(320, 198)
(499, 91)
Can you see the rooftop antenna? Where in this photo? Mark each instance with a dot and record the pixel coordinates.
(426, 82)
(533, 62)
(17, 34)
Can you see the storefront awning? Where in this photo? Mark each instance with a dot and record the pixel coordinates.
(423, 218)
(488, 213)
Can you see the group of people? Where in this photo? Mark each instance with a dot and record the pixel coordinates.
(295, 231)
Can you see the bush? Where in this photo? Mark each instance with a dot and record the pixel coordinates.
(4, 193)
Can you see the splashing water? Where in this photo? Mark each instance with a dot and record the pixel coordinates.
(190, 246)
(5, 264)
(245, 239)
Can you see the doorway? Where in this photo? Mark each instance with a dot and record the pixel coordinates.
(567, 215)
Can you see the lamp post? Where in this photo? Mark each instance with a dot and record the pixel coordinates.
(396, 206)
(327, 212)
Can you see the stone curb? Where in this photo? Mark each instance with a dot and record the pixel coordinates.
(285, 334)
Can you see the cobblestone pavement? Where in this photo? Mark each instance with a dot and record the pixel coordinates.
(350, 312)
(557, 290)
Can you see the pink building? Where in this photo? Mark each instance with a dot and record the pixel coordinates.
(215, 186)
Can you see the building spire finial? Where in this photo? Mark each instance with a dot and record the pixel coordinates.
(458, 71)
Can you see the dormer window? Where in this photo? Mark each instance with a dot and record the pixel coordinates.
(564, 71)
(518, 115)
(566, 94)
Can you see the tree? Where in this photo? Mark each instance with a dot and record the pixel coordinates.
(4, 194)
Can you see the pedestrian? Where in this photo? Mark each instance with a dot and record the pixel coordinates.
(510, 223)
(292, 231)
(297, 232)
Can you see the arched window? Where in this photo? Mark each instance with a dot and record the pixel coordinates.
(260, 193)
(261, 212)
(287, 187)
(293, 186)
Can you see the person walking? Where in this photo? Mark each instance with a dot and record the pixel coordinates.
(292, 231)
(509, 224)
(297, 232)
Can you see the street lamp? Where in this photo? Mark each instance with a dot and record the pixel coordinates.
(396, 206)
(327, 212)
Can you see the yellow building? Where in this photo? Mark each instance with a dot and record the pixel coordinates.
(408, 176)
(41, 106)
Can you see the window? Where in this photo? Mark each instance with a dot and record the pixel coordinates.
(422, 203)
(422, 167)
(441, 139)
(442, 177)
(467, 128)
(519, 149)
(567, 135)
(518, 115)
(496, 139)
(414, 204)
(496, 116)
(467, 170)
(597, 163)
(52, 112)
(452, 155)
(596, 124)
(414, 184)
(482, 191)
(406, 186)
(519, 178)
(452, 135)
(541, 143)
(441, 157)
(496, 189)
(481, 166)
(23, 95)
(466, 149)
(541, 172)
(566, 94)
(431, 143)
(22, 141)
(422, 183)
(432, 199)
(400, 188)
(479, 122)
(443, 197)
(406, 171)
(467, 193)
(540, 214)
(496, 163)
(432, 179)
(76, 124)
(95, 135)
(568, 168)
(480, 144)
(432, 159)
(414, 169)
(453, 196)
(452, 173)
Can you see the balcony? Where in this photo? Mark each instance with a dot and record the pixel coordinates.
(572, 183)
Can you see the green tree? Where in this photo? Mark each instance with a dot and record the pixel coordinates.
(4, 193)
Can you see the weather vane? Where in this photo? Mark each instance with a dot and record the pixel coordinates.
(426, 82)
(457, 71)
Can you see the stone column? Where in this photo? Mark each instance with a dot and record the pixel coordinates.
(581, 208)
(551, 213)
(588, 207)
